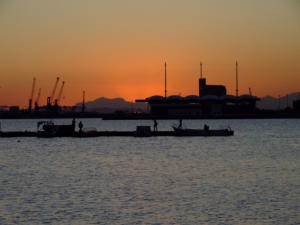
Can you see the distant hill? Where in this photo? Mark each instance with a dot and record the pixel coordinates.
(106, 105)
(269, 102)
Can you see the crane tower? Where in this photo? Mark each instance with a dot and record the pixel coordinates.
(31, 95)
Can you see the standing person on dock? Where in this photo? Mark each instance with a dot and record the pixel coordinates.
(155, 125)
(180, 123)
(206, 127)
(80, 125)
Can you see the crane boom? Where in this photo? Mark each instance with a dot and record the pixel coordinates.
(36, 103)
(38, 96)
(33, 87)
(60, 92)
(53, 90)
(31, 95)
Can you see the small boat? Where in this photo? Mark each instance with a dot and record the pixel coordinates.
(49, 129)
(202, 132)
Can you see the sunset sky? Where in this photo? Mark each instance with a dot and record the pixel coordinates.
(117, 48)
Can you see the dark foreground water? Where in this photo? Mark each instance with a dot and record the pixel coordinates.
(250, 178)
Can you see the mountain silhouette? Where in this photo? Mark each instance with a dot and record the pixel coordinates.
(269, 102)
(107, 105)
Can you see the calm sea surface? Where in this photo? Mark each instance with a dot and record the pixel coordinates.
(250, 178)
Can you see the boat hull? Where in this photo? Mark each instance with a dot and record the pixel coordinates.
(195, 132)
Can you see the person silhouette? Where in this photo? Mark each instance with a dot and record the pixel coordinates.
(80, 125)
(155, 125)
(206, 127)
(180, 123)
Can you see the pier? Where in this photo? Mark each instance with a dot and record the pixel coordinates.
(12, 134)
(83, 135)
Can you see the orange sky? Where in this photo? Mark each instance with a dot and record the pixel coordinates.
(118, 48)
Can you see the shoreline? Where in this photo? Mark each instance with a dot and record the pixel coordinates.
(125, 116)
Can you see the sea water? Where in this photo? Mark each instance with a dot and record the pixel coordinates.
(252, 177)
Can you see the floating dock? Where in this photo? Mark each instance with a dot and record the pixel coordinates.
(50, 130)
(114, 134)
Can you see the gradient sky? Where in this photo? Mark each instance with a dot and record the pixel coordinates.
(117, 48)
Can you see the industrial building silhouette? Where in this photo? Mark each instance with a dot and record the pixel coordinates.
(212, 100)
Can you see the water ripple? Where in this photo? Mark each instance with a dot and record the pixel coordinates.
(250, 178)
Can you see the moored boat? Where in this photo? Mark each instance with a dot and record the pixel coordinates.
(49, 129)
(202, 132)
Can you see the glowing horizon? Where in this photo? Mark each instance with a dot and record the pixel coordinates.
(118, 49)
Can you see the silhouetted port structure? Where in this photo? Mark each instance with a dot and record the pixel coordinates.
(53, 104)
(212, 100)
(296, 105)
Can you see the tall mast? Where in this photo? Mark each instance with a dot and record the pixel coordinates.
(83, 102)
(165, 80)
(237, 81)
(200, 70)
(31, 95)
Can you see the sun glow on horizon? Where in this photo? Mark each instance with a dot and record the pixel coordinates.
(118, 49)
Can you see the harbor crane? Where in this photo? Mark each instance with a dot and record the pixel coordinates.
(31, 95)
(50, 99)
(36, 103)
(57, 100)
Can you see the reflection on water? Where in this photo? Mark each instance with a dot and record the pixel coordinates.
(250, 178)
